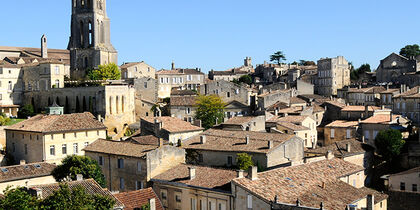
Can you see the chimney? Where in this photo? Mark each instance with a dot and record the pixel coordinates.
(202, 139)
(79, 177)
(418, 89)
(246, 139)
(383, 107)
(240, 173)
(348, 147)
(360, 86)
(270, 144)
(160, 142)
(191, 172)
(252, 174)
(22, 162)
(363, 139)
(99, 118)
(173, 65)
(370, 202)
(387, 86)
(152, 204)
(38, 193)
(276, 112)
(366, 111)
(44, 48)
(330, 155)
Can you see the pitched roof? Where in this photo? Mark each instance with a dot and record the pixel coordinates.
(412, 93)
(183, 100)
(375, 89)
(304, 182)
(413, 170)
(296, 100)
(136, 199)
(179, 71)
(336, 103)
(122, 148)
(352, 108)
(391, 90)
(239, 120)
(223, 140)
(207, 177)
(130, 64)
(292, 126)
(342, 124)
(59, 123)
(91, 187)
(173, 124)
(339, 148)
(291, 119)
(384, 119)
(177, 92)
(26, 171)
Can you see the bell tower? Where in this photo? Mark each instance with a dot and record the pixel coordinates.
(90, 41)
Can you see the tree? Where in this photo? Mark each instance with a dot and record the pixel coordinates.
(26, 111)
(3, 119)
(389, 143)
(245, 79)
(363, 69)
(73, 165)
(410, 50)
(105, 72)
(244, 161)
(209, 110)
(18, 199)
(278, 56)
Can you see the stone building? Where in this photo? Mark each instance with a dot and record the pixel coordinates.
(183, 107)
(250, 123)
(140, 198)
(354, 113)
(26, 174)
(113, 102)
(333, 74)
(90, 40)
(146, 96)
(171, 129)
(408, 104)
(234, 73)
(326, 184)
(332, 110)
(50, 138)
(227, 91)
(340, 130)
(265, 100)
(220, 148)
(190, 79)
(195, 187)
(394, 66)
(362, 96)
(302, 126)
(137, 70)
(128, 165)
(236, 108)
(406, 181)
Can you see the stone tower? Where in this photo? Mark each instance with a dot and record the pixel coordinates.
(90, 41)
(44, 48)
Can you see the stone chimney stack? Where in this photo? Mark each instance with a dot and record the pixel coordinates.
(191, 172)
(22, 162)
(330, 155)
(348, 147)
(44, 48)
(240, 173)
(270, 144)
(370, 202)
(202, 139)
(79, 177)
(252, 174)
(152, 204)
(247, 139)
(276, 112)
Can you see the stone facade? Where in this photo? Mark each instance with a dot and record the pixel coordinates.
(236, 108)
(394, 66)
(406, 181)
(137, 70)
(227, 91)
(190, 79)
(146, 96)
(265, 100)
(339, 130)
(90, 40)
(333, 74)
(408, 104)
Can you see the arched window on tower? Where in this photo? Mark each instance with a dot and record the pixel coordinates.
(90, 34)
(82, 34)
(83, 3)
(86, 63)
(102, 32)
(89, 3)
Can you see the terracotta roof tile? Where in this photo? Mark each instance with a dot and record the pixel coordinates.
(222, 140)
(183, 100)
(384, 119)
(292, 126)
(412, 93)
(239, 120)
(173, 124)
(296, 100)
(146, 140)
(26, 171)
(291, 119)
(136, 199)
(352, 108)
(339, 148)
(413, 170)
(343, 124)
(304, 182)
(59, 123)
(119, 148)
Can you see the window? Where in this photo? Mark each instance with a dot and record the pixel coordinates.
(200, 158)
(354, 182)
(75, 135)
(139, 185)
(86, 144)
(138, 166)
(121, 183)
(189, 77)
(161, 80)
(414, 188)
(332, 132)
(97, 133)
(188, 110)
(75, 148)
(402, 186)
(145, 84)
(64, 149)
(120, 163)
(366, 134)
(10, 87)
(1, 96)
(237, 91)
(228, 94)
(403, 105)
(167, 80)
(57, 70)
(163, 195)
(374, 134)
(249, 199)
(52, 150)
(86, 133)
(13, 147)
(229, 160)
(26, 149)
(348, 132)
(101, 160)
(193, 204)
(52, 136)
(178, 198)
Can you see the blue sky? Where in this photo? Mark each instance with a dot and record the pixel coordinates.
(219, 34)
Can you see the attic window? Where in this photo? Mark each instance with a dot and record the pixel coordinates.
(5, 170)
(37, 166)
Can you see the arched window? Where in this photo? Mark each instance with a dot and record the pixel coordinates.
(10, 87)
(89, 3)
(110, 105)
(86, 63)
(117, 104)
(82, 34)
(90, 34)
(122, 103)
(83, 3)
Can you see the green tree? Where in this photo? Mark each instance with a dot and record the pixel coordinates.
(18, 199)
(105, 72)
(363, 69)
(73, 165)
(410, 50)
(246, 79)
(209, 110)
(278, 57)
(244, 161)
(3, 119)
(389, 143)
(26, 111)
